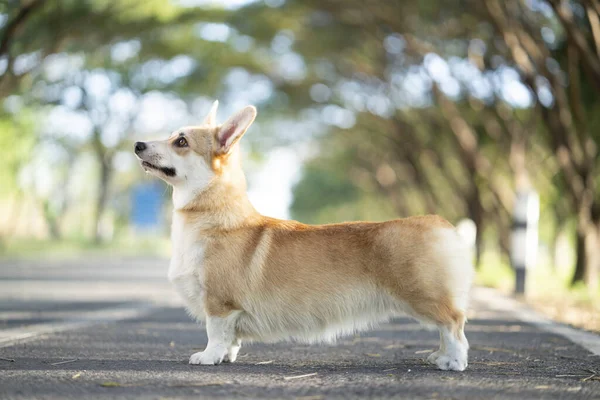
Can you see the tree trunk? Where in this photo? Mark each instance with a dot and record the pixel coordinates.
(476, 213)
(13, 26)
(556, 245)
(51, 221)
(587, 267)
(102, 196)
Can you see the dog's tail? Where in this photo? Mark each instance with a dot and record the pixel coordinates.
(455, 253)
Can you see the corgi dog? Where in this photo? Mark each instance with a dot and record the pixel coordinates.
(251, 277)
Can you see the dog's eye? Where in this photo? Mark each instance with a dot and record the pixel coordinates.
(181, 142)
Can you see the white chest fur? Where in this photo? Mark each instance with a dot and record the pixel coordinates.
(186, 270)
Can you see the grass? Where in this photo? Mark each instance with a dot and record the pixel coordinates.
(493, 272)
(76, 247)
(548, 291)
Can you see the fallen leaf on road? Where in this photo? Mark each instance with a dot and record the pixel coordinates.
(110, 384)
(289, 378)
(198, 384)
(593, 377)
(317, 397)
(373, 354)
(117, 384)
(65, 362)
(77, 375)
(542, 387)
(424, 351)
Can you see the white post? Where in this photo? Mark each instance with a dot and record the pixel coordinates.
(524, 237)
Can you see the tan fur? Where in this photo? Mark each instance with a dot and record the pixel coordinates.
(251, 262)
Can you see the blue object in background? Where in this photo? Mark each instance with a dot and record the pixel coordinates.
(146, 207)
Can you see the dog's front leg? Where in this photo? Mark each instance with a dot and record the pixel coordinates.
(221, 335)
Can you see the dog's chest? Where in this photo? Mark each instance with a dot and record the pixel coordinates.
(186, 271)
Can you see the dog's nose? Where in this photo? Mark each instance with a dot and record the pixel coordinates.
(139, 147)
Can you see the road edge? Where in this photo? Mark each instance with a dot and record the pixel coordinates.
(500, 302)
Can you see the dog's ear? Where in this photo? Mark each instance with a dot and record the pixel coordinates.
(235, 127)
(211, 118)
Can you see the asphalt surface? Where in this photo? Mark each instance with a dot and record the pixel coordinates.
(114, 328)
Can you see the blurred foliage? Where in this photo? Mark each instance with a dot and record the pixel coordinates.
(505, 93)
(408, 107)
(16, 141)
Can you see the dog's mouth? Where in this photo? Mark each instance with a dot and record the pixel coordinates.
(168, 171)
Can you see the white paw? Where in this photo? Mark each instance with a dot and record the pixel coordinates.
(207, 357)
(433, 357)
(451, 362)
(232, 354)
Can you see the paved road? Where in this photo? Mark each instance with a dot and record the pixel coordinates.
(114, 329)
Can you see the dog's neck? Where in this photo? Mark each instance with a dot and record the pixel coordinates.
(222, 205)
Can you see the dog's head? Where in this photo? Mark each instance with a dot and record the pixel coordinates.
(194, 156)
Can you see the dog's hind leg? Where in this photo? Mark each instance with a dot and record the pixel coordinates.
(454, 347)
(453, 351)
(447, 307)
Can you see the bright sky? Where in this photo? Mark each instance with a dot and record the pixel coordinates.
(270, 188)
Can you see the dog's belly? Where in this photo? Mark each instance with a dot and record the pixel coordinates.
(317, 318)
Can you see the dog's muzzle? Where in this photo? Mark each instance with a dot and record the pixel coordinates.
(139, 147)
